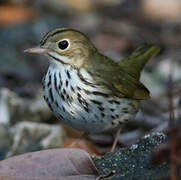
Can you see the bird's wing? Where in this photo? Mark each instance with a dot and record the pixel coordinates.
(124, 85)
(109, 74)
(129, 87)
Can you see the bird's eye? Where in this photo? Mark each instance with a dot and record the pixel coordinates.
(63, 44)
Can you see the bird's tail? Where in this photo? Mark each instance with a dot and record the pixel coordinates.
(134, 63)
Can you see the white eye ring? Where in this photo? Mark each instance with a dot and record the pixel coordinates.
(64, 44)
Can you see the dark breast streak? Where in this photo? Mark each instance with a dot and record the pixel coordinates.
(82, 104)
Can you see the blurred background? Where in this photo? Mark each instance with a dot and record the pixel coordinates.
(116, 28)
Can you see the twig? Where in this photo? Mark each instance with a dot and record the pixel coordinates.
(173, 166)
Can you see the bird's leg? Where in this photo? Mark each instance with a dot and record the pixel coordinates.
(116, 139)
(84, 134)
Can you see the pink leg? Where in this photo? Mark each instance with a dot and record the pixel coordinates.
(116, 139)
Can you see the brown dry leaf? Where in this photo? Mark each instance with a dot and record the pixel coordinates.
(72, 133)
(80, 5)
(64, 164)
(82, 144)
(13, 14)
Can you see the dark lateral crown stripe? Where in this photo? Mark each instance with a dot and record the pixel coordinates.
(50, 34)
(55, 32)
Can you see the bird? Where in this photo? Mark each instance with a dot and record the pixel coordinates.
(87, 90)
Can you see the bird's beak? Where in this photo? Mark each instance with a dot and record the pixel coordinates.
(36, 50)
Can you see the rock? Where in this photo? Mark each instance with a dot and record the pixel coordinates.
(30, 136)
(9, 105)
(163, 70)
(5, 140)
(158, 78)
(16, 124)
(15, 109)
(133, 162)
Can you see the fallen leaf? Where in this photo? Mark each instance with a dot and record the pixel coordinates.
(13, 14)
(64, 164)
(82, 144)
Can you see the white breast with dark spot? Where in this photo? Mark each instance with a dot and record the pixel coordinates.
(79, 103)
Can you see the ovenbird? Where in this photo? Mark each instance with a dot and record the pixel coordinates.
(86, 90)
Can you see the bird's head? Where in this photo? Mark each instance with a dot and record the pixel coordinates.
(66, 46)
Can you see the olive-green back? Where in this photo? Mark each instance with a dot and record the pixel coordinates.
(122, 78)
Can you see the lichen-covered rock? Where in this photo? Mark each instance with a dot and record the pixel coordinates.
(9, 104)
(134, 162)
(30, 136)
(21, 127)
(5, 140)
(158, 78)
(15, 109)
